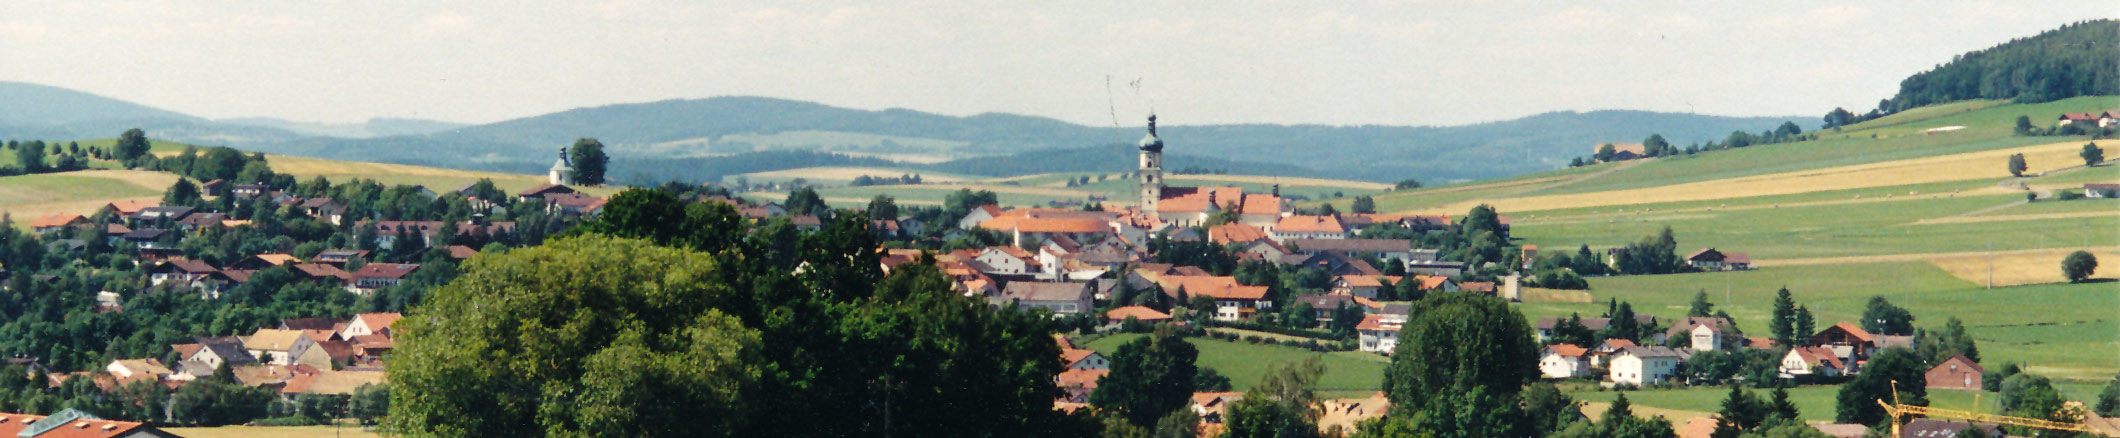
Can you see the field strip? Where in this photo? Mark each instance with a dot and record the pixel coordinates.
(1600, 216)
(1888, 258)
(2016, 268)
(1946, 168)
(839, 173)
(1285, 181)
(865, 201)
(1969, 219)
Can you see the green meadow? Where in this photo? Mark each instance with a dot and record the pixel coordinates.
(1346, 373)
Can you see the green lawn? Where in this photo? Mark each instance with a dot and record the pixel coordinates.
(1816, 403)
(45, 188)
(1345, 372)
(2066, 331)
(1829, 230)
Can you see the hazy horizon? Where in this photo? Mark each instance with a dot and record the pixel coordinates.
(1386, 63)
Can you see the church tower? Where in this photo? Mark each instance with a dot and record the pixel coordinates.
(1151, 168)
(561, 172)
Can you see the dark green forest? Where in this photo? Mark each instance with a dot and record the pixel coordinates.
(2081, 59)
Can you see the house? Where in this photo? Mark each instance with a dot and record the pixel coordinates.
(69, 423)
(1958, 372)
(1213, 407)
(1706, 333)
(370, 324)
(322, 272)
(2074, 118)
(1607, 349)
(1850, 343)
(374, 276)
(2101, 190)
(2109, 118)
(979, 215)
(339, 257)
(181, 271)
(1323, 306)
(128, 368)
(211, 353)
(145, 238)
(1138, 313)
(156, 215)
(389, 233)
(1934, 428)
(1236, 233)
(1233, 301)
(1084, 359)
(1811, 362)
(1397, 250)
(1562, 361)
(1332, 263)
(322, 354)
(1308, 227)
(1643, 365)
(1441, 268)
(1078, 384)
(575, 204)
(1365, 286)
(1379, 332)
(249, 191)
(264, 261)
(1708, 259)
(1062, 298)
(538, 193)
(272, 346)
(1545, 326)
(1621, 151)
(56, 222)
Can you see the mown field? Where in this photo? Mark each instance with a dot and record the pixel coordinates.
(1346, 373)
(27, 197)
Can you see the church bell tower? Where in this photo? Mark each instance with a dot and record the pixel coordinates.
(1151, 168)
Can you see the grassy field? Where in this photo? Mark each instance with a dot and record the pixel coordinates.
(839, 175)
(1815, 403)
(1345, 372)
(2067, 331)
(27, 197)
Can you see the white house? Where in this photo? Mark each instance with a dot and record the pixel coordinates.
(1811, 362)
(1005, 260)
(1084, 359)
(1643, 365)
(369, 324)
(272, 346)
(1561, 361)
(979, 215)
(1706, 333)
(1380, 331)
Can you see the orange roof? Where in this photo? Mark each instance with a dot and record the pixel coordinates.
(1856, 331)
(1193, 199)
(1371, 322)
(1430, 282)
(1235, 233)
(1217, 287)
(1206, 399)
(1072, 355)
(1568, 350)
(12, 424)
(379, 321)
(55, 220)
(1064, 343)
(1261, 203)
(1309, 224)
(1368, 280)
(130, 207)
(277, 259)
(1619, 343)
(1082, 378)
(1137, 312)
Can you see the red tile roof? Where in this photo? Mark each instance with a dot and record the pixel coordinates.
(55, 220)
(1072, 355)
(1309, 224)
(385, 270)
(1137, 312)
(1082, 378)
(1217, 287)
(1568, 350)
(1235, 233)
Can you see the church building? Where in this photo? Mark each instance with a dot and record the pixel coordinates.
(1194, 206)
(562, 171)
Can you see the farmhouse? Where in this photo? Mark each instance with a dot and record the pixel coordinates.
(1803, 362)
(1709, 259)
(2074, 118)
(1643, 365)
(2101, 190)
(1062, 298)
(1958, 372)
(1621, 151)
(56, 222)
(1233, 301)
(1561, 361)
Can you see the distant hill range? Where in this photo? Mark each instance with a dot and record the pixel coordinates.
(702, 139)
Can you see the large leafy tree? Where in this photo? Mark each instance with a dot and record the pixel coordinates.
(132, 144)
(1150, 377)
(2079, 265)
(1283, 405)
(1857, 401)
(589, 161)
(1880, 316)
(588, 336)
(1455, 343)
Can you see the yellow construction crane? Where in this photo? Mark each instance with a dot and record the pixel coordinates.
(1900, 411)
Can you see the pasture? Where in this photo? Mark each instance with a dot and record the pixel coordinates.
(27, 197)
(1347, 372)
(1815, 403)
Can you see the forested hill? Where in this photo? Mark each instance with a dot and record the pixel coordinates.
(700, 129)
(2081, 59)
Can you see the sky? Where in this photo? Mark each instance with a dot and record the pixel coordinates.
(1204, 62)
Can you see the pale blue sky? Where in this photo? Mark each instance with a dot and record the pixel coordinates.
(1341, 63)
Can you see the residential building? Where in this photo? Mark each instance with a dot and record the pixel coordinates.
(1233, 301)
(1707, 333)
(370, 324)
(1138, 313)
(1958, 372)
(179, 271)
(1709, 259)
(375, 276)
(1562, 361)
(1084, 359)
(56, 222)
(1643, 365)
(272, 346)
(70, 423)
(1811, 362)
(1379, 332)
(1309, 227)
(1062, 298)
(1365, 286)
(2101, 190)
(1850, 343)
